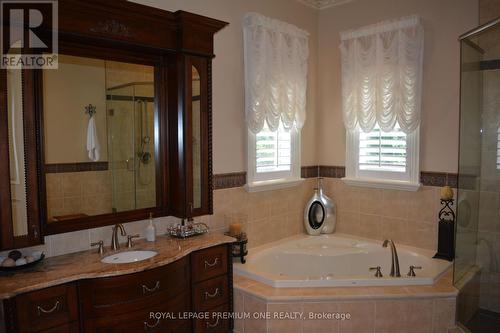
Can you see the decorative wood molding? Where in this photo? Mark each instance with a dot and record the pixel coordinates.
(112, 27)
(76, 167)
(238, 179)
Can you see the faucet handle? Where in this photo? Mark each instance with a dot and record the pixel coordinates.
(130, 240)
(412, 270)
(101, 246)
(378, 272)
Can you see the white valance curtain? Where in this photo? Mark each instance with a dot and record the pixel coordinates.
(275, 55)
(382, 75)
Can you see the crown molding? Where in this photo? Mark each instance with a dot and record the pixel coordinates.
(323, 4)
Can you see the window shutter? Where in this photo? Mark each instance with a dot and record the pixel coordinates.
(273, 150)
(383, 151)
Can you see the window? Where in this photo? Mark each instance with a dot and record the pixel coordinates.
(272, 150)
(273, 157)
(383, 159)
(383, 87)
(382, 151)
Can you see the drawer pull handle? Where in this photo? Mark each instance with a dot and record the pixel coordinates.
(52, 309)
(213, 264)
(146, 290)
(147, 326)
(209, 295)
(208, 325)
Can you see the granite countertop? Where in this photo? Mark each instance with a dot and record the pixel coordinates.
(87, 264)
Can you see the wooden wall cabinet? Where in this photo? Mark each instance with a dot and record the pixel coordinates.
(192, 191)
(180, 48)
(199, 282)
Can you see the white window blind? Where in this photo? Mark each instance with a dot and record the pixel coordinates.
(273, 150)
(383, 151)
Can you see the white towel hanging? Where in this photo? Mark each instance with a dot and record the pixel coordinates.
(93, 147)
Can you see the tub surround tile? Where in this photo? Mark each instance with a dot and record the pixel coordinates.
(443, 314)
(239, 307)
(371, 309)
(408, 218)
(362, 317)
(321, 325)
(62, 269)
(404, 316)
(254, 305)
(277, 325)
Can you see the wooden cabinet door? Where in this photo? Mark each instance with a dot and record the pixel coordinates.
(199, 135)
(47, 309)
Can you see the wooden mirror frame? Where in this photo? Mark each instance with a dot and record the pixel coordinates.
(128, 32)
(34, 236)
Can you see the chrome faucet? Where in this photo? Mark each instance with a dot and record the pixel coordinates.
(394, 258)
(115, 245)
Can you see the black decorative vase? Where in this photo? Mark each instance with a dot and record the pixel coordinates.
(446, 233)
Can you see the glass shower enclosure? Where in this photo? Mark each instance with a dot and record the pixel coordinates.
(130, 122)
(476, 269)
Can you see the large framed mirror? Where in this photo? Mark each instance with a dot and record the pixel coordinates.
(100, 131)
(121, 129)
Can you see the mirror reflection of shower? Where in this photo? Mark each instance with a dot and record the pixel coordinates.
(144, 153)
(131, 143)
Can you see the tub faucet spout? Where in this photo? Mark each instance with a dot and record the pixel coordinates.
(394, 258)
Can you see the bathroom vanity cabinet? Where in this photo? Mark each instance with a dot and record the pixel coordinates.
(153, 116)
(199, 282)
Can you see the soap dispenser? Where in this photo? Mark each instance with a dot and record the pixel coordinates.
(151, 230)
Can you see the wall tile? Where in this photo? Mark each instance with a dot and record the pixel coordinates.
(362, 317)
(276, 325)
(70, 242)
(254, 305)
(407, 217)
(443, 315)
(320, 325)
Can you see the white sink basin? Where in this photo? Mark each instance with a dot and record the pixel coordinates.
(128, 256)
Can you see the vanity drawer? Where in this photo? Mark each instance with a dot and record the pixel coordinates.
(210, 293)
(68, 328)
(127, 293)
(140, 321)
(47, 308)
(209, 263)
(214, 325)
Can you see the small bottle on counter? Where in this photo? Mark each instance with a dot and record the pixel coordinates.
(151, 230)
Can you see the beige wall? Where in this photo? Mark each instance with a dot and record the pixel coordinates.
(228, 89)
(444, 21)
(77, 83)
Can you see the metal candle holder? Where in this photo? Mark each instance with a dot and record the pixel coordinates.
(446, 236)
(239, 247)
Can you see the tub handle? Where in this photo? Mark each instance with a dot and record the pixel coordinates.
(412, 270)
(378, 272)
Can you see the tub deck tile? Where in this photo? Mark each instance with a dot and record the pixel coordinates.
(443, 288)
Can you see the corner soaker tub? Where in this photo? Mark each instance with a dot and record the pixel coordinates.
(336, 261)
